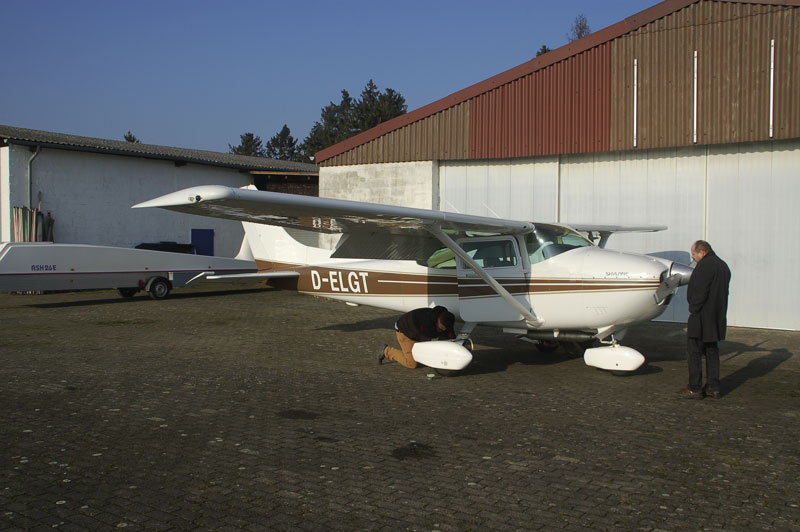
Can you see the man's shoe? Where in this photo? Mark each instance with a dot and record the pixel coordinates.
(382, 354)
(686, 393)
(715, 395)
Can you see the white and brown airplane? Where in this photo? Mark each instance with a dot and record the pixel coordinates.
(544, 282)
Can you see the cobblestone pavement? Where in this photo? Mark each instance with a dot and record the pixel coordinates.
(243, 409)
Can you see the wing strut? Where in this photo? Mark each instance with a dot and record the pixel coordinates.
(530, 317)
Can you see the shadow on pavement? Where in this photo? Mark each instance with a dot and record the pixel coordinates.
(486, 361)
(386, 323)
(755, 369)
(114, 299)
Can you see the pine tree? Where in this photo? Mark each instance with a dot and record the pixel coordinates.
(350, 117)
(282, 146)
(250, 145)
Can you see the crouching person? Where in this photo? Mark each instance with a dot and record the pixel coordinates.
(420, 325)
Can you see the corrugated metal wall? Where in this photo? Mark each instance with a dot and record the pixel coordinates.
(562, 108)
(585, 103)
(733, 45)
(444, 135)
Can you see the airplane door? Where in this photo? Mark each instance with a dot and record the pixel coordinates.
(500, 258)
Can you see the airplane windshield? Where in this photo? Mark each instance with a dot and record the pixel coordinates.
(547, 241)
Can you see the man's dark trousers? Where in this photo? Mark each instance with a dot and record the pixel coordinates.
(696, 349)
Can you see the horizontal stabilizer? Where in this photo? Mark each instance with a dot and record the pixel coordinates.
(254, 276)
(603, 232)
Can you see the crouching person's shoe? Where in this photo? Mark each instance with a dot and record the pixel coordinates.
(382, 354)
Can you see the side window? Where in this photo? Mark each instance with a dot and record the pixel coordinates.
(492, 254)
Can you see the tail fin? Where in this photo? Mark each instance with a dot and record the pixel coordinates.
(272, 243)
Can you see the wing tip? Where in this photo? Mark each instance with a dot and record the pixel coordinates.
(188, 196)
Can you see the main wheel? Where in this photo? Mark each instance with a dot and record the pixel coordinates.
(159, 288)
(576, 349)
(547, 346)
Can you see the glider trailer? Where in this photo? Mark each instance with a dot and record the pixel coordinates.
(45, 266)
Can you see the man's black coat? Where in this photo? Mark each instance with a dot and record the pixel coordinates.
(708, 299)
(420, 325)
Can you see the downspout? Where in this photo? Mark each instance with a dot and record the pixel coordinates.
(30, 174)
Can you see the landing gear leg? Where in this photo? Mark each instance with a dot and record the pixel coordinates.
(463, 335)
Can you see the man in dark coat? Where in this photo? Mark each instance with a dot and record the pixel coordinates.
(419, 325)
(707, 295)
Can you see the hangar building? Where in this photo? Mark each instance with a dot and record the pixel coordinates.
(87, 186)
(686, 114)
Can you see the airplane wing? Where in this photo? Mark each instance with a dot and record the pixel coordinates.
(373, 231)
(603, 232)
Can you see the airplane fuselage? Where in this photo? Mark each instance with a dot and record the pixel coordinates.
(586, 289)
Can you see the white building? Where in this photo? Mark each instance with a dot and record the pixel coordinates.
(88, 186)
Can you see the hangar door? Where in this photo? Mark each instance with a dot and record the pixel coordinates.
(739, 197)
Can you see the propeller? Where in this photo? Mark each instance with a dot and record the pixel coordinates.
(676, 276)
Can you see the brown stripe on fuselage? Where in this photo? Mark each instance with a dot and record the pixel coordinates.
(343, 281)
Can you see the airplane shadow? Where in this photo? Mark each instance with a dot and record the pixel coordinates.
(114, 299)
(487, 361)
(386, 323)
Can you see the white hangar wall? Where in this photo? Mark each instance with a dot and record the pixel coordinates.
(739, 197)
(414, 184)
(90, 197)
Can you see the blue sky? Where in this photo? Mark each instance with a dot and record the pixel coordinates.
(197, 74)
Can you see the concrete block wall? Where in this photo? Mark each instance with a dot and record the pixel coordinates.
(90, 197)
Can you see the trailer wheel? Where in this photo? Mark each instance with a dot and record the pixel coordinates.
(128, 293)
(159, 288)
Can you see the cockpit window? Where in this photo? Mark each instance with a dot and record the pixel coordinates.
(492, 253)
(547, 241)
(487, 253)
